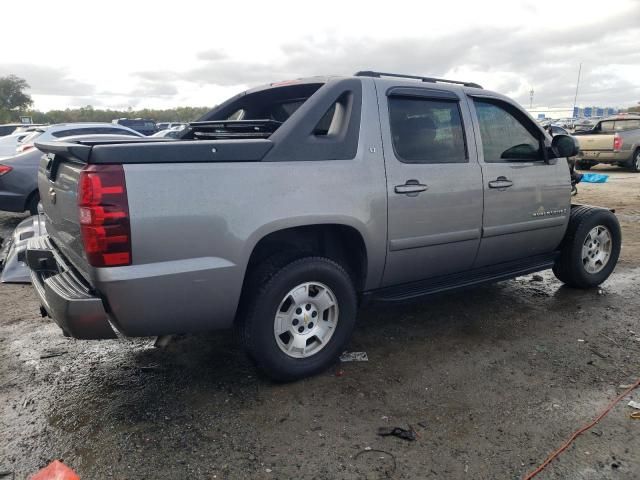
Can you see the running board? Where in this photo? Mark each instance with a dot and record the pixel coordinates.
(493, 273)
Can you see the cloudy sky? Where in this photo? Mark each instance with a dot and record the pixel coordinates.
(160, 54)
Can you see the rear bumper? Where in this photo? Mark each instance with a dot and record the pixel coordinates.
(597, 156)
(67, 299)
(12, 202)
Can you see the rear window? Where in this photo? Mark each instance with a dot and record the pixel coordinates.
(257, 114)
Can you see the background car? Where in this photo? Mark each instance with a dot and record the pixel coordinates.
(174, 132)
(584, 124)
(19, 173)
(62, 130)
(9, 143)
(9, 128)
(142, 125)
(167, 125)
(557, 130)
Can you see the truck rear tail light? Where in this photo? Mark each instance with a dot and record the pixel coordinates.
(104, 215)
(617, 143)
(5, 169)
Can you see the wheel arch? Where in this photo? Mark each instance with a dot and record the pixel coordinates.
(341, 242)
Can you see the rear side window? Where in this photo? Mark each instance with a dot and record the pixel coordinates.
(504, 137)
(427, 130)
(619, 125)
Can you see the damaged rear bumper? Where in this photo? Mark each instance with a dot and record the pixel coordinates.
(65, 296)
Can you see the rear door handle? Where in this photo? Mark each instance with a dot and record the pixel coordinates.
(500, 182)
(411, 188)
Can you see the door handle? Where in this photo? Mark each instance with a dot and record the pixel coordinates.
(500, 182)
(411, 188)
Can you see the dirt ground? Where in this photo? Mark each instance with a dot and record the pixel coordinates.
(493, 379)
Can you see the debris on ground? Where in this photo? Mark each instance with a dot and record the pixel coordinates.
(537, 278)
(399, 432)
(56, 470)
(354, 357)
(423, 424)
(634, 404)
(53, 353)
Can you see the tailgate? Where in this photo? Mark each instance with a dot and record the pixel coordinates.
(602, 142)
(58, 176)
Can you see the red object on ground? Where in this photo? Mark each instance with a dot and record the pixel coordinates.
(56, 470)
(579, 432)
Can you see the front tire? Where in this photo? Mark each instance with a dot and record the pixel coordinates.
(590, 249)
(300, 318)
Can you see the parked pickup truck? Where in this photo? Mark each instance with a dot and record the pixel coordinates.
(285, 207)
(614, 140)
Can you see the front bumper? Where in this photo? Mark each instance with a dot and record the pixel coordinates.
(65, 296)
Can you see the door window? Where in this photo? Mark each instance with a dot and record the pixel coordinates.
(505, 138)
(427, 130)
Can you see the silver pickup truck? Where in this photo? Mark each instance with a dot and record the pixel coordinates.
(285, 207)
(614, 140)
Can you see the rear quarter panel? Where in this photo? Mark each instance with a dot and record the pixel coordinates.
(194, 227)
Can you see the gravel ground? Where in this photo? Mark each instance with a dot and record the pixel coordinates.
(492, 379)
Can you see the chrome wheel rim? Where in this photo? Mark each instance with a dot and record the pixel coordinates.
(306, 320)
(638, 161)
(596, 249)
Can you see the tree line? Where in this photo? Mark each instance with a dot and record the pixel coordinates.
(15, 102)
(90, 114)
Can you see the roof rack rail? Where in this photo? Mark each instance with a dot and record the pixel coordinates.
(368, 73)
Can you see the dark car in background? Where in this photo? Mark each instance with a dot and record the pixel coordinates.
(142, 125)
(9, 128)
(19, 173)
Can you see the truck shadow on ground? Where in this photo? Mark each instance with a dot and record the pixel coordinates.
(139, 383)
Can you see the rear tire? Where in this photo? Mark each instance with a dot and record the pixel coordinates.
(584, 165)
(634, 163)
(300, 317)
(590, 249)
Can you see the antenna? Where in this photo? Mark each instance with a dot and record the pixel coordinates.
(575, 98)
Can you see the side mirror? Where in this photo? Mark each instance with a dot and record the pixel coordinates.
(565, 146)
